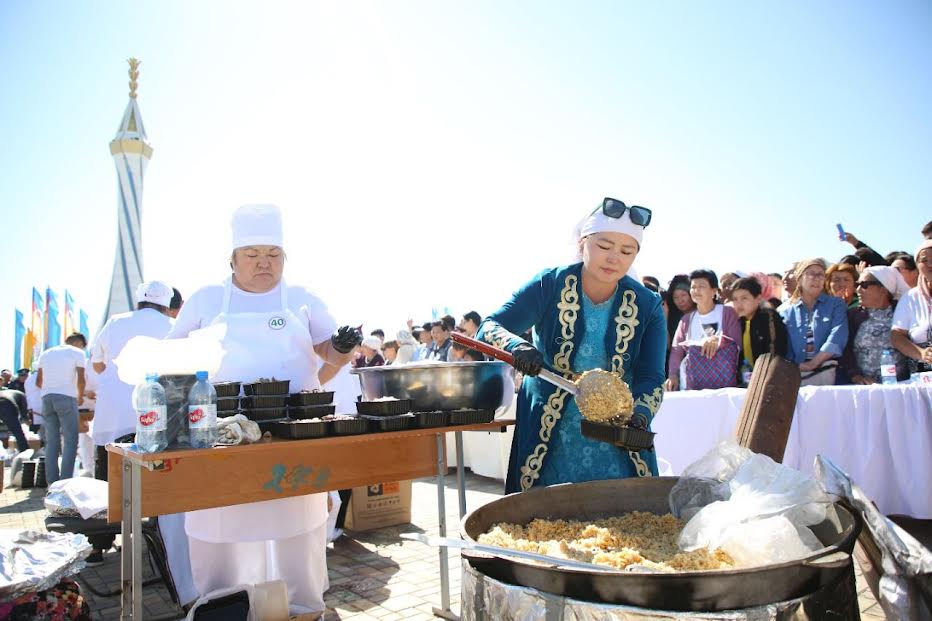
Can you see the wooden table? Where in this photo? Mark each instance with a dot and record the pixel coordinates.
(192, 479)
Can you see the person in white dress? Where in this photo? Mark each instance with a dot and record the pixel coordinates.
(268, 329)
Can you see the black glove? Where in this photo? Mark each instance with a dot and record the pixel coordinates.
(528, 359)
(345, 339)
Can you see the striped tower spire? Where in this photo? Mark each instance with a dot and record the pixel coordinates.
(131, 154)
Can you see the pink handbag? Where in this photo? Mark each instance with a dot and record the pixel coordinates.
(719, 371)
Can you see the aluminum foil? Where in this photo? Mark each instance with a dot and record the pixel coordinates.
(485, 599)
(32, 561)
(905, 590)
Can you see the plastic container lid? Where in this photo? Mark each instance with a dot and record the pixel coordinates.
(201, 375)
(152, 377)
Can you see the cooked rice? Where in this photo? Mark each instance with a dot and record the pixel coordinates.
(636, 538)
(604, 396)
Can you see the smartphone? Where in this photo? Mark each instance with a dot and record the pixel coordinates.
(841, 232)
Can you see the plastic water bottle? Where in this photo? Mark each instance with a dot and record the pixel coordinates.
(151, 415)
(746, 372)
(202, 412)
(887, 367)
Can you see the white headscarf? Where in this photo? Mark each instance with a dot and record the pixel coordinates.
(890, 278)
(598, 222)
(257, 225)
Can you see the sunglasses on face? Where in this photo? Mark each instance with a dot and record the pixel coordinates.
(614, 208)
(864, 284)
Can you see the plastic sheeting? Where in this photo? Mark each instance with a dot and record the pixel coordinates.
(906, 583)
(756, 510)
(485, 599)
(34, 561)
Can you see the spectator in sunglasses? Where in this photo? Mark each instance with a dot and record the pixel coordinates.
(840, 280)
(912, 320)
(817, 325)
(589, 315)
(869, 325)
(906, 266)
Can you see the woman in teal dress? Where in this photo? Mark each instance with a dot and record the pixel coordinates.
(584, 316)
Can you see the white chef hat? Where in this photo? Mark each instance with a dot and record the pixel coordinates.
(890, 278)
(155, 292)
(598, 222)
(372, 342)
(257, 225)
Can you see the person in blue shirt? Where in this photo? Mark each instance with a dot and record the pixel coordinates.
(817, 325)
(584, 316)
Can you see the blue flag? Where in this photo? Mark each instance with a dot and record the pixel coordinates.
(52, 324)
(19, 336)
(82, 322)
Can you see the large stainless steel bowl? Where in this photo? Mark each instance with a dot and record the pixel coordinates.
(442, 385)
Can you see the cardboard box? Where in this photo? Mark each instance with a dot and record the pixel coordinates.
(380, 505)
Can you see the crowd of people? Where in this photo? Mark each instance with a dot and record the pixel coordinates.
(836, 321)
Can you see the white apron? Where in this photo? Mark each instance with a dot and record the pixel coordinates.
(263, 345)
(113, 411)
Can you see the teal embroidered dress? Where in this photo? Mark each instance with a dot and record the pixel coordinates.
(625, 334)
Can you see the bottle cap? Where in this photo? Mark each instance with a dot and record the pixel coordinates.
(152, 377)
(201, 375)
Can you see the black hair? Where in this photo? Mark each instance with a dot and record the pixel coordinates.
(427, 326)
(776, 275)
(458, 346)
(709, 275)
(896, 254)
(908, 260)
(442, 325)
(449, 321)
(748, 284)
(927, 230)
(76, 336)
(653, 280)
(678, 282)
(391, 345)
(379, 332)
(177, 300)
(153, 306)
(473, 316)
(850, 259)
(474, 356)
(653, 286)
(23, 371)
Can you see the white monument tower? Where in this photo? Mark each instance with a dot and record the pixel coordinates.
(131, 154)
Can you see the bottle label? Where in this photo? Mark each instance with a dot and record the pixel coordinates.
(153, 419)
(201, 416)
(888, 370)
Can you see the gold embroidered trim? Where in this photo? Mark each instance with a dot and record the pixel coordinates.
(639, 464)
(652, 401)
(625, 323)
(497, 336)
(568, 308)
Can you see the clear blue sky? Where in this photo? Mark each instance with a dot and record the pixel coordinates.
(439, 154)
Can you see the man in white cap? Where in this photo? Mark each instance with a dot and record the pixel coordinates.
(113, 410)
(270, 329)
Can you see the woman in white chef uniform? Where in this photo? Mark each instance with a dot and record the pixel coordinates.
(268, 329)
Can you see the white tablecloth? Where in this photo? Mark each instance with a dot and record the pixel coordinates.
(880, 435)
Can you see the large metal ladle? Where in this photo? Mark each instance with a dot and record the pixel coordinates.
(500, 354)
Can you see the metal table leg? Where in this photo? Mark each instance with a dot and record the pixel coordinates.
(444, 610)
(460, 473)
(126, 554)
(137, 540)
(131, 550)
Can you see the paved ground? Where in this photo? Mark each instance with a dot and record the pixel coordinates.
(373, 575)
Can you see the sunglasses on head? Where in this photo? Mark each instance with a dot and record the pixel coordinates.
(614, 208)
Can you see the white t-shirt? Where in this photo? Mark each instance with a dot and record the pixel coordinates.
(913, 314)
(60, 370)
(119, 329)
(206, 303)
(706, 325)
(34, 398)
